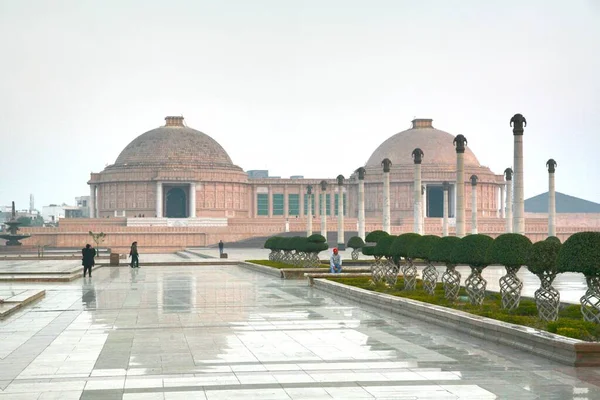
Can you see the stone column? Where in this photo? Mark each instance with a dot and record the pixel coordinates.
(309, 210)
(445, 212)
(361, 202)
(417, 155)
(386, 163)
(324, 209)
(424, 206)
(332, 203)
(159, 200)
(460, 141)
(551, 164)
(502, 202)
(192, 200)
(474, 204)
(340, 233)
(508, 172)
(92, 201)
(518, 122)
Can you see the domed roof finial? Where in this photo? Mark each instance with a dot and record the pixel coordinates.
(174, 121)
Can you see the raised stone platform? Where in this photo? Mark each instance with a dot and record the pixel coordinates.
(17, 299)
(177, 222)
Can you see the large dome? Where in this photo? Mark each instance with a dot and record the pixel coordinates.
(437, 146)
(174, 144)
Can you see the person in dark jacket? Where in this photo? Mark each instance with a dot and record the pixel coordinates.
(221, 245)
(133, 253)
(88, 260)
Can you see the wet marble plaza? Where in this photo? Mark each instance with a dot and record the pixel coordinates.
(221, 331)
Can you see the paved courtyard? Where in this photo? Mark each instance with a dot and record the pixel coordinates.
(221, 332)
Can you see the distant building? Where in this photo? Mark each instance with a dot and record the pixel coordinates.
(258, 174)
(83, 204)
(564, 204)
(297, 177)
(53, 212)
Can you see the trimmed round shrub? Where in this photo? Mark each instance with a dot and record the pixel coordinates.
(368, 250)
(315, 247)
(580, 253)
(383, 246)
(355, 242)
(422, 247)
(443, 248)
(472, 251)
(402, 244)
(553, 239)
(316, 238)
(278, 242)
(373, 237)
(509, 249)
(298, 243)
(543, 256)
(270, 243)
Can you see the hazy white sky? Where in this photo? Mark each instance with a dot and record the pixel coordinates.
(308, 87)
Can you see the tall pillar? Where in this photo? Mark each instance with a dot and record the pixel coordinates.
(324, 209)
(386, 194)
(474, 204)
(417, 155)
(92, 201)
(361, 202)
(551, 164)
(309, 210)
(445, 212)
(508, 173)
(518, 122)
(159, 200)
(502, 202)
(192, 213)
(424, 207)
(340, 233)
(460, 141)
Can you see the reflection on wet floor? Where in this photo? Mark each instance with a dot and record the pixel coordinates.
(221, 332)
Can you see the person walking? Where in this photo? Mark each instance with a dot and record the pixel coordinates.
(133, 253)
(88, 253)
(221, 246)
(335, 262)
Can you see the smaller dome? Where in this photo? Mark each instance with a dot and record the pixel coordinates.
(437, 146)
(174, 144)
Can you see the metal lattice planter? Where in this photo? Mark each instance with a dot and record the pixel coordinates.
(590, 301)
(355, 253)
(390, 272)
(547, 299)
(410, 275)
(451, 280)
(377, 271)
(475, 286)
(510, 288)
(430, 277)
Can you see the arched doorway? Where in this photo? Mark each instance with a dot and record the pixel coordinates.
(176, 203)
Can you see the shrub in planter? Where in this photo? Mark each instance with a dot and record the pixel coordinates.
(442, 253)
(399, 250)
(422, 248)
(541, 261)
(581, 253)
(554, 239)
(387, 270)
(271, 244)
(298, 244)
(312, 246)
(373, 237)
(355, 243)
(510, 250)
(472, 251)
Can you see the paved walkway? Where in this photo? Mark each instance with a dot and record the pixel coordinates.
(223, 332)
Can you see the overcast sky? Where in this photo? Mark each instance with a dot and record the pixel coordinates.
(307, 87)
